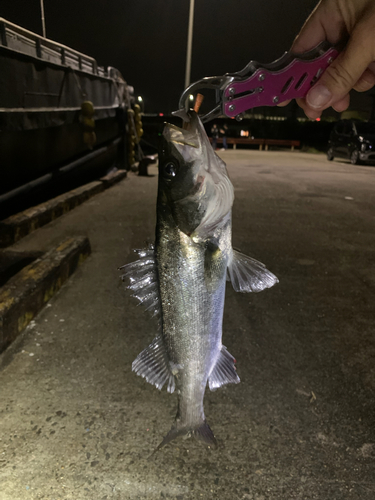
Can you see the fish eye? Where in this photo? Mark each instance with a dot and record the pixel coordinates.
(170, 169)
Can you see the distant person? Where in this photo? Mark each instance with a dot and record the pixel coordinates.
(223, 133)
(214, 135)
(351, 25)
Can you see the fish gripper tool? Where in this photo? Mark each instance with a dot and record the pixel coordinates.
(289, 77)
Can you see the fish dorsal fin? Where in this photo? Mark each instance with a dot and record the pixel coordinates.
(249, 275)
(153, 365)
(224, 371)
(143, 279)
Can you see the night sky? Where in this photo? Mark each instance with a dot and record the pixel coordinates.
(146, 39)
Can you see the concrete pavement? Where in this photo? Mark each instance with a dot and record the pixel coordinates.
(76, 423)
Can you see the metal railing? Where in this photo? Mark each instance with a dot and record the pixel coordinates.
(26, 42)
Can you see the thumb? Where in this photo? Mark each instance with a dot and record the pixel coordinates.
(343, 74)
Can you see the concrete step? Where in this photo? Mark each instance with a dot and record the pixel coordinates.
(20, 225)
(28, 291)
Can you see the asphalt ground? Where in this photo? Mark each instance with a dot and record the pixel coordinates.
(76, 423)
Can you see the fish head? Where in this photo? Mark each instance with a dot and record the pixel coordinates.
(193, 180)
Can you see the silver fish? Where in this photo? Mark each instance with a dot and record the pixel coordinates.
(182, 278)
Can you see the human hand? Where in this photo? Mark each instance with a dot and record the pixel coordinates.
(340, 21)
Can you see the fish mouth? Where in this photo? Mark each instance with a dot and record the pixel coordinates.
(187, 135)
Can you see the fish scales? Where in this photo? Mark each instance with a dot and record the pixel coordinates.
(191, 320)
(183, 278)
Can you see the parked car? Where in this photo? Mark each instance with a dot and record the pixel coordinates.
(354, 140)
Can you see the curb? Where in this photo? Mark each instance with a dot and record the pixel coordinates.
(113, 177)
(26, 293)
(20, 225)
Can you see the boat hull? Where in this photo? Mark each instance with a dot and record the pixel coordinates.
(43, 125)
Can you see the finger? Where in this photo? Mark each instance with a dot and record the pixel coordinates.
(313, 114)
(309, 37)
(342, 104)
(284, 103)
(315, 29)
(311, 33)
(366, 81)
(342, 75)
(338, 106)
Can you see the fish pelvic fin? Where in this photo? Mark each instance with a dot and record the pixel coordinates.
(202, 433)
(142, 279)
(153, 365)
(224, 371)
(249, 275)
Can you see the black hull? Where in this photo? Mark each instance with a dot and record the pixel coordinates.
(42, 88)
(30, 154)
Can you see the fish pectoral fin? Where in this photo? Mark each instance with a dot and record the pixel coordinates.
(153, 365)
(249, 275)
(142, 275)
(224, 371)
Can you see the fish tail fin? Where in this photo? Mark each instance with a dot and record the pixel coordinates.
(202, 433)
(172, 434)
(205, 435)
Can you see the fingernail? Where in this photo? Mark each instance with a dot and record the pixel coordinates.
(318, 97)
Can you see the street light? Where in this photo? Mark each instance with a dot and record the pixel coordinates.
(189, 44)
(43, 19)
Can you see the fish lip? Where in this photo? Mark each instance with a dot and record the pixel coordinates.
(170, 127)
(187, 135)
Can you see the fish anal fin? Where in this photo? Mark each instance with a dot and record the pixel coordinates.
(249, 275)
(153, 365)
(224, 371)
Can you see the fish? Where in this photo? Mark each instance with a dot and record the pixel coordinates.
(181, 278)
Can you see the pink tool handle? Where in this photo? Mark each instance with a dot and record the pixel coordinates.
(268, 88)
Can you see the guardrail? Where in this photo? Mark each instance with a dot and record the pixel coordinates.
(21, 40)
(261, 142)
